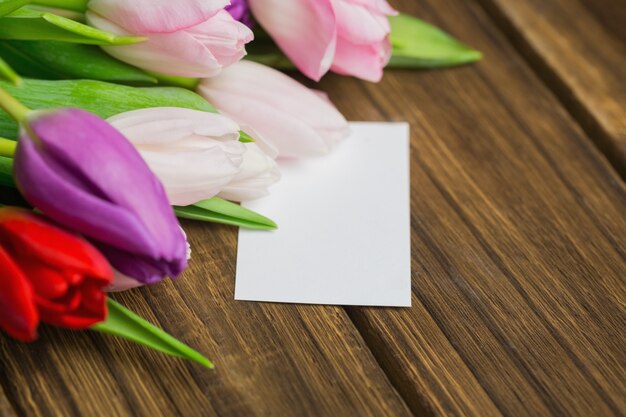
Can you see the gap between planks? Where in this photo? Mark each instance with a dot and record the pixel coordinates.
(579, 111)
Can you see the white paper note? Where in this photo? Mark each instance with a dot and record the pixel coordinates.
(344, 227)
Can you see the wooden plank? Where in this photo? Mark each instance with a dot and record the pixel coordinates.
(271, 360)
(517, 263)
(612, 16)
(6, 409)
(578, 48)
(433, 379)
(517, 240)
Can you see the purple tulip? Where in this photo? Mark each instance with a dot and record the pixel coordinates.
(240, 11)
(84, 174)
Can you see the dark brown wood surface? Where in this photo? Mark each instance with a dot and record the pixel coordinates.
(518, 258)
(579, 48)
(271, 359)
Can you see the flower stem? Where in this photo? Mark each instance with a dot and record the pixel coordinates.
(76, 5)
(172, 80)
(16, 110)
(7, 147)
(7, 72)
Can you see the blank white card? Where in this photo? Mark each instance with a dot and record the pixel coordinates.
(344, 227)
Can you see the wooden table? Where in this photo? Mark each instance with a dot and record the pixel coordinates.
(518, 256)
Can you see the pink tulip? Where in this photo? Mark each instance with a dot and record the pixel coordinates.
(295, 120)
(187, 38)
(346, 36)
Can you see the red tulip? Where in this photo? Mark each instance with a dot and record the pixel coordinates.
(47, 274)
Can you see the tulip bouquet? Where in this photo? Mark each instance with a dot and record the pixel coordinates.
(120, 116)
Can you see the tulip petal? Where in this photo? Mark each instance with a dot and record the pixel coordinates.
(205, 172)
(358, 24)
(46, 281)
(40, 179)
(169, 138)
(90, 168)
(122, 282)
(97, 299)
(81, 307)
(33, 238)
(157, 16)
(304, 29)
(285, 113)
(376, 6)
(79, 319)
(264, 144)
(199, 51)
(264, 84)
(156, 53)
(257, 172)
(293, 137)
(158, 126)
(64, 304)
(362, 61)
(225, 37)
(144, 270)
(18, 315)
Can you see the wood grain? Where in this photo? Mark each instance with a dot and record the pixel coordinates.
(518, 250)
(579, 48)
(518, 259)
(271, 360)
(6, 409)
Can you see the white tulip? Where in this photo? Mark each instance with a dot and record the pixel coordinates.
(257, 172)
(194, 153)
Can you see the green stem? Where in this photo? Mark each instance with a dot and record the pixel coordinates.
(7, 72)
(172, 80)
(7, 147)
(16, 110)
(76, 5)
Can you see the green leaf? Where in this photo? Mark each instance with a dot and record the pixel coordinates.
(8, 74)
(26, 24)
(9, 6)
(75, 5)
(128, 325)
(417, 44)
(62, 60)
(175, 81)
(6, 172)
(217, 210)
(245, 138)
(101, 98)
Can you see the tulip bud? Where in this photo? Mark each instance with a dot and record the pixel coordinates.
(47, 274)
(196, 154)
(291, 117)
(82, 173)
(363, 46)
(187, 38)
(257, 172)
(347, 36)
